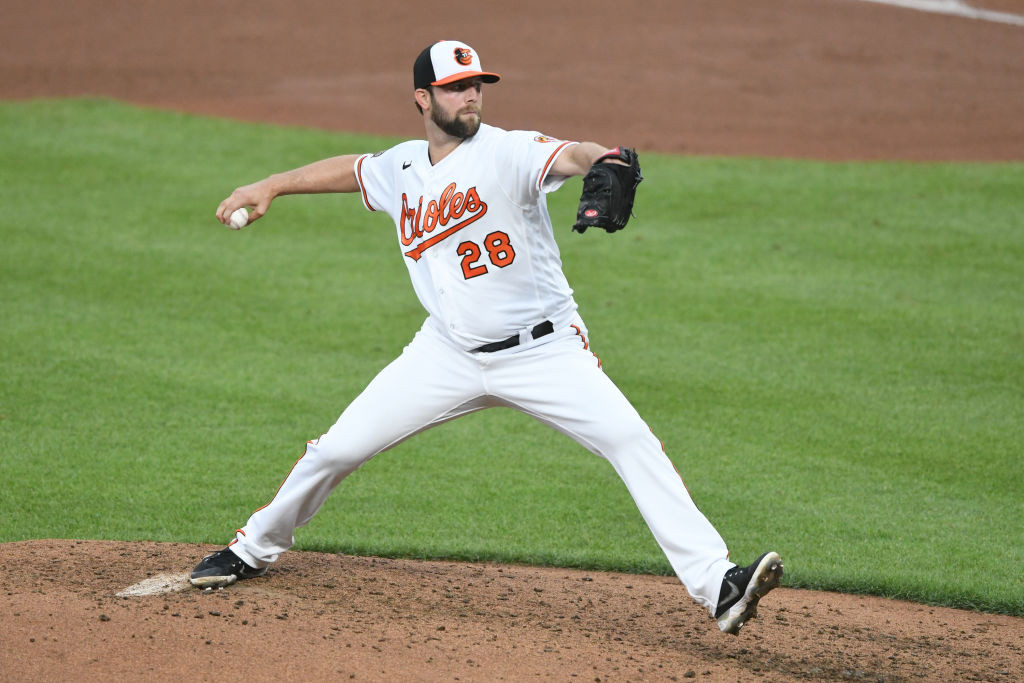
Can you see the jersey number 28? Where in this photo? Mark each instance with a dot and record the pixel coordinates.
(499, 250)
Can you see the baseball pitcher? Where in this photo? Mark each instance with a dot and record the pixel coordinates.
(502, 329)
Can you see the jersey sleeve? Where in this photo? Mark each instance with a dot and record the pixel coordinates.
(363, 181)
(376, 177)
(528, 157)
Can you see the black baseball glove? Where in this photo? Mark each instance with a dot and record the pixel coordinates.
(608, 191)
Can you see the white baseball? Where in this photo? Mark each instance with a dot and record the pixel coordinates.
(239, 218)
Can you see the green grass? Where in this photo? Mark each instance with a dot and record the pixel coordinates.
(832, 354)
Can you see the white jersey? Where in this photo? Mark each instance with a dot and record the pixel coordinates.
(475, 234)
(474, 231)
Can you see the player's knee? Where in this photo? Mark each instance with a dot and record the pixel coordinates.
(630, 439)
(335, 455)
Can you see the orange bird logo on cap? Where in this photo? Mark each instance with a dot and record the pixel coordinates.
(463, 56)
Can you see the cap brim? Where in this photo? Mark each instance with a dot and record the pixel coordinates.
(485, 76)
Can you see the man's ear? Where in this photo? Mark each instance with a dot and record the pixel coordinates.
(422, 97)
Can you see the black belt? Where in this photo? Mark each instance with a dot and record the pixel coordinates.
(540, 330)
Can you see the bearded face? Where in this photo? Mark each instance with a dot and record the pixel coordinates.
(461, 124)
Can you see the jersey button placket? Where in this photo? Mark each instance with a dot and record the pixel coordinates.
(442, 287)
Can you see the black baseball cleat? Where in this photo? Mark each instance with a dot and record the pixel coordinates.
(742, 587)
(222, 568)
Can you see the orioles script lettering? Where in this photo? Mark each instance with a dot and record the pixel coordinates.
(461, 207)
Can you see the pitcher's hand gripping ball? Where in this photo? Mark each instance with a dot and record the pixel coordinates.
(239, 219)
(608, 191)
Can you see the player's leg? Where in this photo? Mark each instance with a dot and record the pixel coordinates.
(561, 384)
(429, 383)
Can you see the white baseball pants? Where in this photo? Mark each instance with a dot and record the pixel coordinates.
(555, 379)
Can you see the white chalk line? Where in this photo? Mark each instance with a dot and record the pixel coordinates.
(157, 585)
(956, 8)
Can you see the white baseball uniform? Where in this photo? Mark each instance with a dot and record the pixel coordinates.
(476, 236)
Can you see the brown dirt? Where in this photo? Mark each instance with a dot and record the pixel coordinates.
(798, 78)
(829, 79)
(320, 616)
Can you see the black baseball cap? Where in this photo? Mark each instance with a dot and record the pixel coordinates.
(448, 61)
